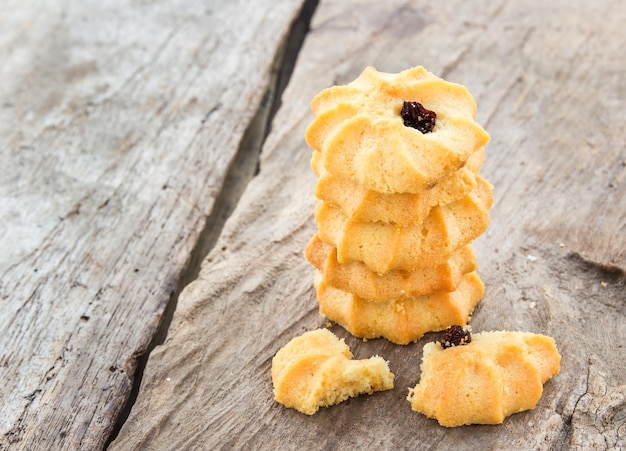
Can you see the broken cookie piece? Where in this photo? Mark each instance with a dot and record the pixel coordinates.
(316, 370)
(482, 382)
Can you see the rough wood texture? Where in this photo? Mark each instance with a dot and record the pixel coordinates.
(548, 82)
(118, 121)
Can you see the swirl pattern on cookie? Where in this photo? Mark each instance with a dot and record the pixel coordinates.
(384, 247)
(316, 370)
(497, 374)
(362, 137)
(400, 321)
(359, 280)
(363, 205)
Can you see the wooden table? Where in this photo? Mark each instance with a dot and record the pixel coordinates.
(130, 131)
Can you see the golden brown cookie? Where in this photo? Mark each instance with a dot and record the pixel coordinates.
(363, 205)
(316, 370)
(362, 137)
(495, 375)
(401, 321)
(359, 280)
(383, 247)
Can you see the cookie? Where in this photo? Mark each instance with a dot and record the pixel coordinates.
(400, 321)
(497, 374)
(361, 133)
(359, 280)
(363, 205)
(384, 247)
(316, 370)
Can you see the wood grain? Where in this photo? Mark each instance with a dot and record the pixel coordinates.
(118, 122)
(548, 85)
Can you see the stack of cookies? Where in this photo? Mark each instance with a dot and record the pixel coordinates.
(399, 202)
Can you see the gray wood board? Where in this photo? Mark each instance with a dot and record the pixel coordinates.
(547, 83)
(118, 122)
(548, 80)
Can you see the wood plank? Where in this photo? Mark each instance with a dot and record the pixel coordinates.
(118, 122)
(548, 79)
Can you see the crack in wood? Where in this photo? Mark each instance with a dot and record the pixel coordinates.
(243, 168)
(600, 413)
(607, 271)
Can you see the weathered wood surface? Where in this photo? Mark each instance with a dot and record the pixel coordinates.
(549, 82)
(118, 122)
